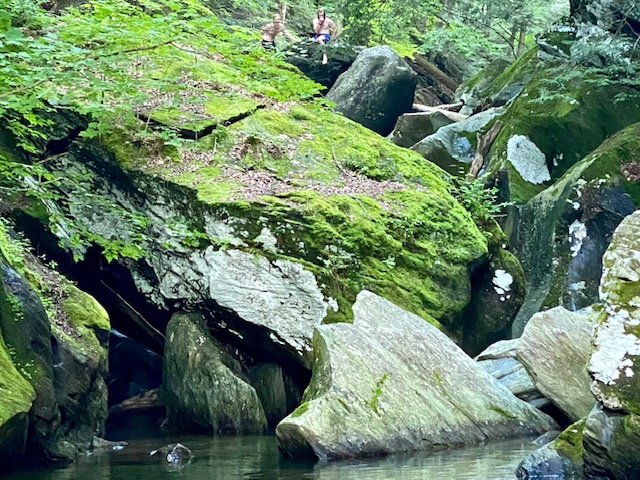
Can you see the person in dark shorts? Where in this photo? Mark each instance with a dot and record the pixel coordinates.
(271, 30)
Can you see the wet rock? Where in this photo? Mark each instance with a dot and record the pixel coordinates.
(371, 395)
(174, 454)
(560, 458)
(203, 385)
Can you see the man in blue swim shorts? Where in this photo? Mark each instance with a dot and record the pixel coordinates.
(323, 27)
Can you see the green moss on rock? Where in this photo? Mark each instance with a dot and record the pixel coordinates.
(90, 324)
(569, 442)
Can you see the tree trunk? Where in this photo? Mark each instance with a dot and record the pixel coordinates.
(521, 39)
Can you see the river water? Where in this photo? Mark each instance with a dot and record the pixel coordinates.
(251, 458)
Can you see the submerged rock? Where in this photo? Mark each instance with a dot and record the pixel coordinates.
(560, 458)
(371, 395)
(174, 454)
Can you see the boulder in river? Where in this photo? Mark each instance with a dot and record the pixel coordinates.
(390, 382)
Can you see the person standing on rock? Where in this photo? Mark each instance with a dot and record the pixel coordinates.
(271, 30)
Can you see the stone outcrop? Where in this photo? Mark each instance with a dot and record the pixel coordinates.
(453, 146)
(371, 395)
(204, 387)
(61, 354)
(612, 431)
(555, 348)
(413, 127)
(561, 234)
(376, 90)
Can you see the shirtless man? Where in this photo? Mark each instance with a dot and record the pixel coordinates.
(323, 27)
(271, 30)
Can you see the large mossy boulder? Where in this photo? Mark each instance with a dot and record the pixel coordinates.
(371, 395)
(16, 398)
(612, 432)
(561, 234)
(61, 351)
(564, 112)
(376, 90)
(302, 200)
(201, 193)
(204, 387)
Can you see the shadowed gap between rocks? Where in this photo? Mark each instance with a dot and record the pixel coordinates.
(137, 339)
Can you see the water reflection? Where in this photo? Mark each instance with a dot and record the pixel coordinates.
(257, 458)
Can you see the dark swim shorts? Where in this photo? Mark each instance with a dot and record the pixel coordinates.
(327, 37)
(269, 45)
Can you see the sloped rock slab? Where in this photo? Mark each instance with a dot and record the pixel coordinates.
(390, 382)
(555, 348)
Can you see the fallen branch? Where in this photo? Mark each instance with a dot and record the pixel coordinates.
(484, 144)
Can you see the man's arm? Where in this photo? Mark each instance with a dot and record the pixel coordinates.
(317, 26)
(289, 35)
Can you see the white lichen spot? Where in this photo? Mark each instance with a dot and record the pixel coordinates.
(268, 240)
(332, 303)
(614, 349)
(577, 286)
(528, 159)
(577, 234)
(502, 281)
(575, 205)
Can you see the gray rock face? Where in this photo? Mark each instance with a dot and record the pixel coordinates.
(613, 15)
(555, 348)
(561, 234)
(500, 360)
(560, 458)
(498, 293)
(203, 385)
(287, 310)
(390, 382)
(413, 127)
(376, 90)
(612, 433)
(450, 147)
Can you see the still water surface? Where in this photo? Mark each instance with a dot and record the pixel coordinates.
(251, 458)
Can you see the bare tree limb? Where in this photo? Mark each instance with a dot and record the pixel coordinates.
(484, 144)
